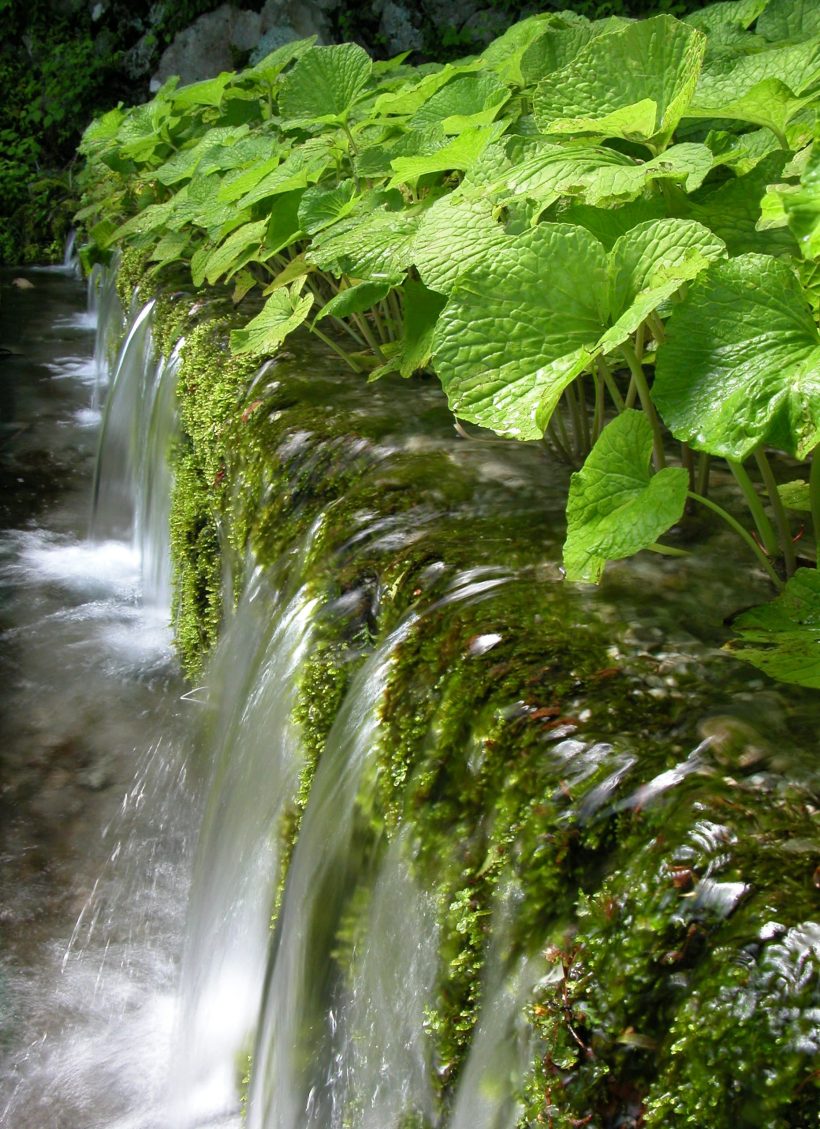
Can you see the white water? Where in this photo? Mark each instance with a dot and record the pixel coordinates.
(96, 829)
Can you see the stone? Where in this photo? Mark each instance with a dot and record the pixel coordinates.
(210, 44)
(399, 31)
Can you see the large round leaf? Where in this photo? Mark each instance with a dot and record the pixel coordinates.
(635, 83)
(615, 506)
(325, 82)
(741, 363)
(512, 331)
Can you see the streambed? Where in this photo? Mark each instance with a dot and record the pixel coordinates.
(488, 740)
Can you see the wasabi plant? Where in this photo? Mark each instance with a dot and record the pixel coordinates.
(600, 234)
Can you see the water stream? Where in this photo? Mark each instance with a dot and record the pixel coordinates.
(483, 766)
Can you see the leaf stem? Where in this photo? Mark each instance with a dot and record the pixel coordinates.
(336, 348)
(780, 518)
(611, 386)
(761, 520)
(814, 500)
(704, 465)
(763, 560)
(639, 376)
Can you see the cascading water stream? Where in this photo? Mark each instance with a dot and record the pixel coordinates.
(428, 786)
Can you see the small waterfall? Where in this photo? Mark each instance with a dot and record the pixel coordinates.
(387, 967)
(254, 750)
(133, 483)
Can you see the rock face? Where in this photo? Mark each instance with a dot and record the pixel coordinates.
(212, 43)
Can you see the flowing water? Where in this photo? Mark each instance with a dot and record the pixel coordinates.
(469, 750)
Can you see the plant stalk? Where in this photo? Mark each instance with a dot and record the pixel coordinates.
(765, 528)
(337, 349)
(639, 376)
(778, 510)
(762, 559)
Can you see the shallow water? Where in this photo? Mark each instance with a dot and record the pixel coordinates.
(95, 811)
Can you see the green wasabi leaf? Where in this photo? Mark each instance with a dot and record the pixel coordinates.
(796, 495)
(609, 224)
(796, 66)
(283, 312)
(375, 160)
(554, 49)
(325, 83)
(768, 103)
(635, 83)
(615, 506)
(454, 234)
(801, 206)
(599, 175)
(173, 246)
(322, 206)
(505, 53)
(354, 299)
(421, 311)
(782, 638)
(649, 264)
(741, 152)
(733, 210)
(412, 98)
(460, 153)
(209, 92)
(230, 257)
(198, 203)
(275, 61)
(373, 244)
(458, 104)
(741, 362)
(789, 19)
(305, 164)
(736, 13)
(283, 225)
(514, 332)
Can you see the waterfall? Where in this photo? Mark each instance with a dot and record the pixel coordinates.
(504, 863)
(133, 484)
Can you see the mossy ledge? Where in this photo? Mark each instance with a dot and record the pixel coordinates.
(541, 752)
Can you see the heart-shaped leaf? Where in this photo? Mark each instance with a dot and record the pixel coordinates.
(515, 325)
(789, 19)
(453, 234)
(783, 638)
(741, 363)
(283, 312)
(635, 83)
(615, 506)
(325, 83)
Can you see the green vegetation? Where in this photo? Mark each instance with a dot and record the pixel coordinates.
(615, 268)
(557, 249)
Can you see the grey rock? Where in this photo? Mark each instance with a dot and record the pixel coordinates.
(399, 31)
(276, 36)
(208, 46)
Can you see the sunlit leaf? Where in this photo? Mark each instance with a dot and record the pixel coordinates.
(741, 363)
(615, 506)
(635, 83)
(512, 327)
(283, 312)
(324, 83)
